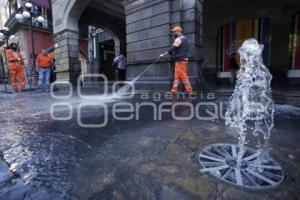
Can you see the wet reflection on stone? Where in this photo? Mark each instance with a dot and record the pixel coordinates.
(139, 159)
(37, 162)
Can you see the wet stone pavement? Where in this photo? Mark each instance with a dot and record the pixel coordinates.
(42, 158)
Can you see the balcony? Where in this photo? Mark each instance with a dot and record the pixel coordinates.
(14, 25)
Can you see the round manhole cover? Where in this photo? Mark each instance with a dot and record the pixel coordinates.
(220, 160)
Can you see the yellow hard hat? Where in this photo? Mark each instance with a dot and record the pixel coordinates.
(177, 29)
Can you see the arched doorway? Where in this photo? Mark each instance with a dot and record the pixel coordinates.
(104, 46)
(107, 52)
(73, 27)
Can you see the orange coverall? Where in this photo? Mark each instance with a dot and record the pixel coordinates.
(179, 51)
(181, 75)
(16, 69)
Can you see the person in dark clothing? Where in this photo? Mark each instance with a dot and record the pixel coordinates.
(52, 73)
(120, 63)
(234, 67)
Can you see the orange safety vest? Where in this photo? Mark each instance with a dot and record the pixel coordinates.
(14, 59)
(44, 61)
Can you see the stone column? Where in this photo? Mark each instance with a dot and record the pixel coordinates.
(66, 15)
(66, 54)
(148, 25)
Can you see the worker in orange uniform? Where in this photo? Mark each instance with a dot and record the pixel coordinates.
(16, 67)
(44, 63)
(179, 51)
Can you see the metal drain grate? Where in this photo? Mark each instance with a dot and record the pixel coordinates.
(220, 161)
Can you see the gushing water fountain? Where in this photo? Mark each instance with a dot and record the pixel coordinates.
(250, 112)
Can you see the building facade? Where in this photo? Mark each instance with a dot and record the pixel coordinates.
(4, 12)
(42, 32)
(275, 24)
(141, 29)
(215, 28)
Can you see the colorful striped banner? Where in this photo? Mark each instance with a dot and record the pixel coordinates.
(233, 35)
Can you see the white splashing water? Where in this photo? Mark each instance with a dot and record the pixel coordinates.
(251, 107)
(129, 85)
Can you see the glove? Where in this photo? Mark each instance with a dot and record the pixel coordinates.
(162, 55)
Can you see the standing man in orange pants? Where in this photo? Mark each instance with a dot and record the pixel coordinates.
(179, 51)
(16, 67)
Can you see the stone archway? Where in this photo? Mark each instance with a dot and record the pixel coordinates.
(116, 40)
(66, 15)
(68, 19)
(114, 26)
(101, 55)
(104, 46)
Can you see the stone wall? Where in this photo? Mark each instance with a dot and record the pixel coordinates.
(66, 55)
(148, 25)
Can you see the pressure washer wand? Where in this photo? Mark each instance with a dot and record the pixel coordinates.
(141, 74)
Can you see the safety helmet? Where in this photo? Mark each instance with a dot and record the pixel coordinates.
(177, 29)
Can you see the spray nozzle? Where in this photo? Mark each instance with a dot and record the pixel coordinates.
(163, 55)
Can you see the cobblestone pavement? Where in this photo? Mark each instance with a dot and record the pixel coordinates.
(42, 158)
